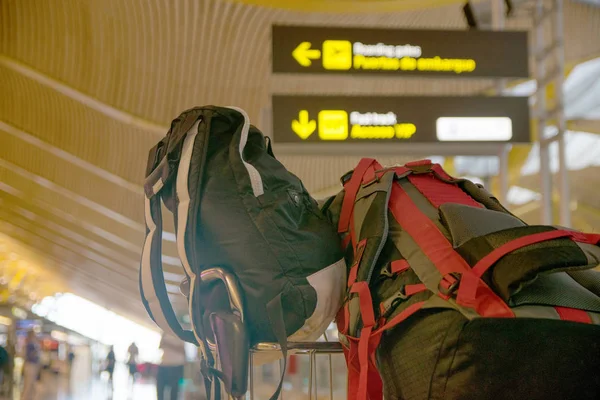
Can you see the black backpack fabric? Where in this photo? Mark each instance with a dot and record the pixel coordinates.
(450, 296)
(236, 206)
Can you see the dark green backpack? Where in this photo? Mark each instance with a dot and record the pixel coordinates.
(237, 207)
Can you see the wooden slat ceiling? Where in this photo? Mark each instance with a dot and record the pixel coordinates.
(87, 87)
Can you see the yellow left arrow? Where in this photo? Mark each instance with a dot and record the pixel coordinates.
(304, 54)
(303, 126)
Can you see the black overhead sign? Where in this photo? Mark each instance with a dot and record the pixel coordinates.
(332, 120)
(472, 53)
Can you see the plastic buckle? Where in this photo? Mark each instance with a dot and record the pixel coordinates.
(449, 284)
(390, 304)
(346, 177)
(387, 271)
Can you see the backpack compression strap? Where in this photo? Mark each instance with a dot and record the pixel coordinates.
(152, 282)
(364, 381)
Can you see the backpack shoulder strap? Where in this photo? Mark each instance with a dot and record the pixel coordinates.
(152, 282)
(167, 159)
(443, 268)
(369, 225)
(364, 210)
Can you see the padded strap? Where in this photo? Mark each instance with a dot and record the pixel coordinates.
(467, 291)
(269, 145)
(186, 255)
(351, 189)
(152, 282)
(436, 247)
(256, 182)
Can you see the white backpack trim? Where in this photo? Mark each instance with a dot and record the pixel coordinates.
(255, 178)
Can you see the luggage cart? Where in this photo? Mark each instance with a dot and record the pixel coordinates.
(310, 349)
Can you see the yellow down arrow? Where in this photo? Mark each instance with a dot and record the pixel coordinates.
(303, 127)
(304, 54)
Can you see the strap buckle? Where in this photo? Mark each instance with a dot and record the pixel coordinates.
(449, 285)
(387, 271)
(389, 305)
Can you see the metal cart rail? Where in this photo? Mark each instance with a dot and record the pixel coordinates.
(311, 349)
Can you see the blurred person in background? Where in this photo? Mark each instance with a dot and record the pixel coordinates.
(170, 370)
(31, 368)
(5, 362)
(70, 359)
(132, 360)
(110, 364)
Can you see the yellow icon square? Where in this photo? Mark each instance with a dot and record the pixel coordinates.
(333, 125)
(337, 54)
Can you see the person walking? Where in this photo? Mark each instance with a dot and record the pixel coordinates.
(110, 364)
(5, 363)
(132, 360)
(170, 370)
(70, 360)
(31, 368)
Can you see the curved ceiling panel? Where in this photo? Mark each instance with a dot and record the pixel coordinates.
(350, 6)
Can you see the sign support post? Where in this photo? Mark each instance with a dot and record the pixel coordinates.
(498, 12)
(561, 123)
(544, 152)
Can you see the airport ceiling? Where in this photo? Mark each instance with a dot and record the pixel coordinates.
(89, 86)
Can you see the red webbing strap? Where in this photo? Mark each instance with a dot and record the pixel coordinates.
(440, 252)
(374, 383)
(590, 238)
(369, 382)
(467, 291)
(399, 266)
(437, 168)
(419, 163)
(439, 192)
(410, 290)
(342, 319)
(360, 249)
(573, 315)
(410, 310)
(369, 175)
(401, 171)
(346, 241)
(351, 189)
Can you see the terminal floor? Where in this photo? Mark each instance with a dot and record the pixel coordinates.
(83, 385)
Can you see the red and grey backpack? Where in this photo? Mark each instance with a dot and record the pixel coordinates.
(450, 296)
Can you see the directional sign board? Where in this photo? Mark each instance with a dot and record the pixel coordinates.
(388, 121)
(472, 53)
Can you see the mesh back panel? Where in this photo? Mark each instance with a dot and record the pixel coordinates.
(408, 355)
